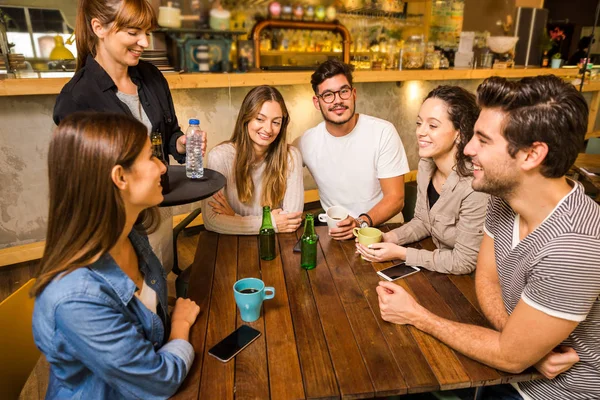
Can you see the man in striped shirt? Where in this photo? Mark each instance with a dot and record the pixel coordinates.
(538, 271)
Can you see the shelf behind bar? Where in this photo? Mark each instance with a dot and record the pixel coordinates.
(45, 86)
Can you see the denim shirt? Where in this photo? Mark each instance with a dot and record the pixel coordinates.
(101, 341)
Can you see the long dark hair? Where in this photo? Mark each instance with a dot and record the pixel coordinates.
(121, 13)
(463, 113)
(86, 213)
(276, 159)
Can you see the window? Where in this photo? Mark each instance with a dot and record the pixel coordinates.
(32, 30)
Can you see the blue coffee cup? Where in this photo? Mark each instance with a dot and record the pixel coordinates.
(249, 295)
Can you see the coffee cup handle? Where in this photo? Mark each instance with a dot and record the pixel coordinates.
(355, 231)
(271, 295)
(323, 217)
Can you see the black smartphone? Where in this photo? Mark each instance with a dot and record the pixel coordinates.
(297, 246)
(237, 341)
(397, 271)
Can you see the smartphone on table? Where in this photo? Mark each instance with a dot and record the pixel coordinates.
(397, 271)
(237, 341)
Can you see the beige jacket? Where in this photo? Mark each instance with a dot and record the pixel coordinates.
(455, 223)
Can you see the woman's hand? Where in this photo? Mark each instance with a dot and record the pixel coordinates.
(181, 144)
(287, 222)
(220, 205)
(183, 317)
(378, 252)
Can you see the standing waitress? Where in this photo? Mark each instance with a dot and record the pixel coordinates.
(111, 36)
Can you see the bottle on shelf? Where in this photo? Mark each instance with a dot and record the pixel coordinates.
(274, 10)
(309, 13)
(194, 168)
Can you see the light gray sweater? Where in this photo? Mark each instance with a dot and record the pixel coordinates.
(248, 217)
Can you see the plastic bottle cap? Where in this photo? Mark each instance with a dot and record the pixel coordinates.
(194, 122)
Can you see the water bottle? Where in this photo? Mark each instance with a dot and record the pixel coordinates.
(194, 168)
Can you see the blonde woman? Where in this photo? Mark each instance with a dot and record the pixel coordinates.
(261, 170)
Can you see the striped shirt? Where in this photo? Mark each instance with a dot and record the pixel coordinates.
(555, 269)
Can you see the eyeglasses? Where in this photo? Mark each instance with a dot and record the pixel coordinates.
(329, 97)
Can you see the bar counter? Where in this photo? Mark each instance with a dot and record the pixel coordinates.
(38, 86)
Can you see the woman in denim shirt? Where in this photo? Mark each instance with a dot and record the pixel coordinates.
(101, 316)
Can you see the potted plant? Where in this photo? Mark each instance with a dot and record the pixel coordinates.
(556, 60)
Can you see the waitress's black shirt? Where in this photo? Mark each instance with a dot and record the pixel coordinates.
(92, 89)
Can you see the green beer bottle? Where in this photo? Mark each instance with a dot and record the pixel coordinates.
(157, 151)
(308, 244)
(267, 236)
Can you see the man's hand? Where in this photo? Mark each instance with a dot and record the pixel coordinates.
(396, 305)
(287, 222)
(378, 252)
(344, 229)
(181, 144)
(557, 361)
(220, 205)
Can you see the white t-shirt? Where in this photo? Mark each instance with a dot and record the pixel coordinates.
(347, 169)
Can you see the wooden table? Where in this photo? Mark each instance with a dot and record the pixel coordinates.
(323, 336)
(585, 161)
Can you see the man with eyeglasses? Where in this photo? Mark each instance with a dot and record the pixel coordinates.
(357, 161)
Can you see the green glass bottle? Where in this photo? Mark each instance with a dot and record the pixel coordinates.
(267, 236)
(308, 244)
(157, 151)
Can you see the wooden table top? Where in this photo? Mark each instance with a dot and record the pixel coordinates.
(323, 336)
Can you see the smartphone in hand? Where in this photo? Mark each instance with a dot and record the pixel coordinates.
(237, 341)
(397, 271)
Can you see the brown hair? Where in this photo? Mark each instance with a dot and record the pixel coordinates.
(539, 109)
(276, 168)
(86, 213)
(463, 112)
(122, 14)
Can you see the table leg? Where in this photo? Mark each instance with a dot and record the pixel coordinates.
(181, 226)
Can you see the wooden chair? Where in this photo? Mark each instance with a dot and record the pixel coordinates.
(18, 353)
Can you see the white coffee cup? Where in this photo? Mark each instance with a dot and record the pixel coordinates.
(334, 215)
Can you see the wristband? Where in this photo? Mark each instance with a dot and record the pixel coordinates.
(369, 218)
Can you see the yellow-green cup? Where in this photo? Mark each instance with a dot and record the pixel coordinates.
(367, 236)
